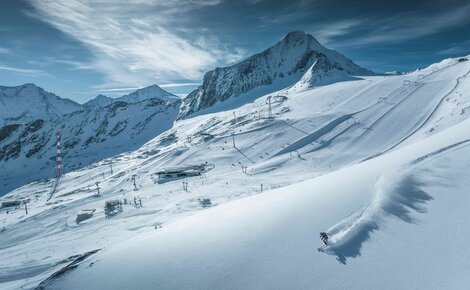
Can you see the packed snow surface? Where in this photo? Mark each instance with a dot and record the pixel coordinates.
(380, 163)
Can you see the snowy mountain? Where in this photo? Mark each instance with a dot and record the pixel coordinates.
(94, 132)
(275, 68)
(139, 95)
(380, 163)
(146, 93)
(99, 101)
(26, 103)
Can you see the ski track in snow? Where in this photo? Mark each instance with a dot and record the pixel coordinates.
(315, 135)
(457, 83)
(426, 118)
(397, 195)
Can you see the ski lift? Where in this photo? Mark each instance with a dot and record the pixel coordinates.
(112, 207)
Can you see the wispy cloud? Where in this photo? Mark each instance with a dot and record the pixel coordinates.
(462, 48)
(130, 89)
(136, 42)
(117, 90)
(4, 50)
(175, 85)
(30, 72)
(405, 26)
(325, 32)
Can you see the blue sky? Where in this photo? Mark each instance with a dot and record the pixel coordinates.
(81, 48)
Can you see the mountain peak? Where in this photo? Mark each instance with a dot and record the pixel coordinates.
(28, 102)
(30, 85)
(142, 94)
(275, 68)
(150, 92)
(296, 35)
(100, 101)
(11, 91)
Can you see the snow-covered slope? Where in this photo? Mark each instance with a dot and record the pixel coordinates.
(393, 225)
(139, 95)
(380, 162)
(275, 68)
(26, 103)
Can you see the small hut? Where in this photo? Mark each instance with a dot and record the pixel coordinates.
(205, 202)
(183, 171)
(11, 203)
(84, 214)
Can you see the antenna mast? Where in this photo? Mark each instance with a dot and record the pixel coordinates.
(58, 162)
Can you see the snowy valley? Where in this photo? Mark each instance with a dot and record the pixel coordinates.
(294, 141)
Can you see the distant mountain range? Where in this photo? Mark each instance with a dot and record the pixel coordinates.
(100, 128)
(139, 95)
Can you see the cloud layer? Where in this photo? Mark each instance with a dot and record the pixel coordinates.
(138, 42)
(29, 72)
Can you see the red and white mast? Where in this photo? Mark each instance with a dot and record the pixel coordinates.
(58, 162)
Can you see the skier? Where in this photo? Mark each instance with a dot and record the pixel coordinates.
(324, 238)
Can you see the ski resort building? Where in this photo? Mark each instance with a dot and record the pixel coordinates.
(183, 171)
(11, 203)
(84, 214)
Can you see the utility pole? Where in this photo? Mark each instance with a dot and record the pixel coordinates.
(25, 206)
(270, 113)
(110, 165)
(97, 188)
(233, 140)
(133, 180)
(261, 187)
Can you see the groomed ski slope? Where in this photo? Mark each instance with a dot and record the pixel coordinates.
(336, 157)
(397, 222)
